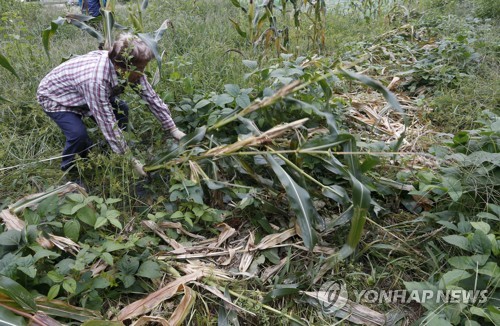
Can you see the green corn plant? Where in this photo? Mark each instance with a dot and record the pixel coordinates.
(296, 180)
(255, 30)
(107, 19)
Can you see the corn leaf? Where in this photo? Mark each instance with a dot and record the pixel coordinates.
(62, 309)
(86, 28)
(389, 96)
(238, 28)
(108, 23)
(300, 202)
(49, 32)
(361, 203)
(18, 293)
(152, 39)
(6, 64)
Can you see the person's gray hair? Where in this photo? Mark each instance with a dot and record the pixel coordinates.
(129, 49)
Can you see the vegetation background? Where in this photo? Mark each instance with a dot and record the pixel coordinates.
(380, 214)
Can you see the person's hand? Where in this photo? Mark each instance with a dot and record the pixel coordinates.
(139, 167)
(176, 133)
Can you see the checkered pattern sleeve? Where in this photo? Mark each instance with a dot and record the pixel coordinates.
(156, 105)
(97, 96)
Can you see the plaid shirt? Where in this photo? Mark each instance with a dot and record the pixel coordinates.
(83, 85)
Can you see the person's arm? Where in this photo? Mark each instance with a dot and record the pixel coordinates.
(97, 96)
(158, 108)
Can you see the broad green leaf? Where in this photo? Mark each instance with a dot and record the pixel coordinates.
(77, 207)
(453, 277)
(495, 209)
(55, 276)
(491, 269)
(128, 265)
(6, 64)
(300, 202)
(19, 294)
(54, 291)
(488, 216)
(10, 238)
(115, 222)
(77, 198)
(112, 213)
(232, 89)
(223, 99)
(484, 227)
(128, 280)
(110, 246)
(420, 287)
(48, 205)
(69, 285)
(108, 258)
(243, 100)
(457, 240)
(480, 243)
(87, 215)
(149, 269)
(28, 269)
(201, 104)
(250, 64)
(454, 188)
(101, 221)
(41, 253)
(113, 200)
(72, 230)
(468, 262)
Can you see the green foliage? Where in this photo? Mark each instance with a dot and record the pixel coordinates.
(442, 57)
(87, 220)
(260, 26)
(468, 178)
(473, 269)
(487, 8)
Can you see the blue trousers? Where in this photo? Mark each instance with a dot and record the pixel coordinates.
(77, 138)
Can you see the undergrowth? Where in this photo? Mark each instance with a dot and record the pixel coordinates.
(431, 217)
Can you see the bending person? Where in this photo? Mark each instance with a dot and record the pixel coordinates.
(88, 86)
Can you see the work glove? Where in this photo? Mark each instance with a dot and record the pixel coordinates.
(176, 133)
(139, 167)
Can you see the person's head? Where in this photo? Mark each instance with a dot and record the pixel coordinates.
(130, 55)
